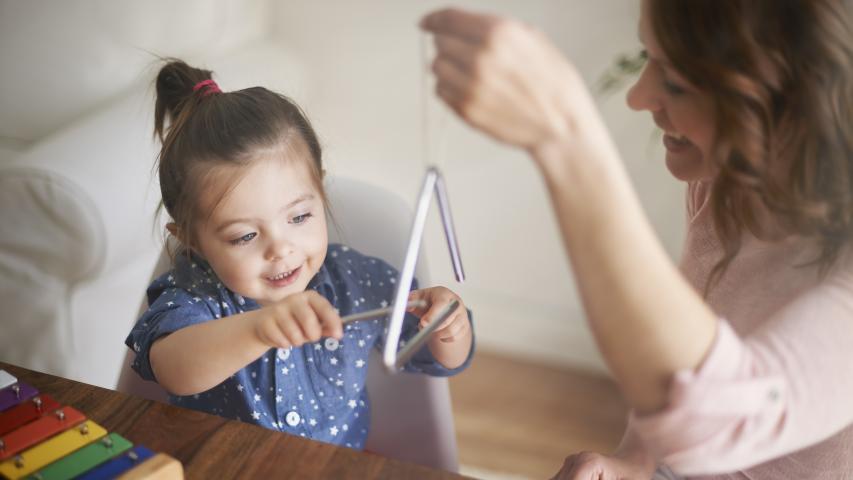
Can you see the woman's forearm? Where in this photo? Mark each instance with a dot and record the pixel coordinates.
(647, 320)
(197, 358)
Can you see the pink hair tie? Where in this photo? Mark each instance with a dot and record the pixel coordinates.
(210, 87)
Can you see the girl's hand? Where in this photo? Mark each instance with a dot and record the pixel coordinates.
(455, 326)
(505, 78)
(595, 466)
(301, 318)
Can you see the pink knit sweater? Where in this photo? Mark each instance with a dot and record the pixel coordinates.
(774, 397)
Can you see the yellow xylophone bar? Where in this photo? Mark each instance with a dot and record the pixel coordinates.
(52, 449)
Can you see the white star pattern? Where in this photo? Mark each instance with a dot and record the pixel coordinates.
(333, 361)
(278, 398)
(351, 404)
(239, 387)
(284, 370)
(312, 422)
(359, 363)
(257, 398)
(333, 430)
(256, 415)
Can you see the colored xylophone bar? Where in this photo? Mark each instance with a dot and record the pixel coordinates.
(40, 439)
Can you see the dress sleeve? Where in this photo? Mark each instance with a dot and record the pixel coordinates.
(170, 310)
(784, 387)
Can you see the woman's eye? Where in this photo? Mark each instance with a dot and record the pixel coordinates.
(244, 239)
(672, 88)
(300, 218)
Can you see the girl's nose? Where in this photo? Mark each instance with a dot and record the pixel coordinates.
(642, 95)
(278, 249)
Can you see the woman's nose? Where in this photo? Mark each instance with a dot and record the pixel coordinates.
(642, 95)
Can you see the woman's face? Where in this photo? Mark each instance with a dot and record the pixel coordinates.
(684, 113)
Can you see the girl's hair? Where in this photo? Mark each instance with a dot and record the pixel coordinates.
(780, 73)
(201, 128)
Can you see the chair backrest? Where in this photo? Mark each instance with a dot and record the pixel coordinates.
(412, 418)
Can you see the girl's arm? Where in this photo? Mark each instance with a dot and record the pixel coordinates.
(509, 81)
(199, 357)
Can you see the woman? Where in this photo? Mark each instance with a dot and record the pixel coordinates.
(737, 363)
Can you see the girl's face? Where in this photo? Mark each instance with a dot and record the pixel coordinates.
(684, 113)
(267, 236)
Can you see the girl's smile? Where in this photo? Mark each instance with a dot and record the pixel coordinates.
(284, 279)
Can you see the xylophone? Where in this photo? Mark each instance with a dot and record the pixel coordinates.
(41, 439)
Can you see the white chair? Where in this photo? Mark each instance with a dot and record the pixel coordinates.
(412, 419)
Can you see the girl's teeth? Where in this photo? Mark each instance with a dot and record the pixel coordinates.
(282, 275)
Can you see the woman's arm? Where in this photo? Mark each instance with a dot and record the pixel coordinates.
(507, 80)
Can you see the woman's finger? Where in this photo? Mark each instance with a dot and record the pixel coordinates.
(460, 53)
(473, 27)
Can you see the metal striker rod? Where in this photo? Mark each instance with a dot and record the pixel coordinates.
(379, 312)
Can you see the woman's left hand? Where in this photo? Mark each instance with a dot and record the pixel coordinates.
(454, 326)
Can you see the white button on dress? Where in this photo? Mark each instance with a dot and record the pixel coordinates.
(292, 419)
(283, 353)
(331, 344)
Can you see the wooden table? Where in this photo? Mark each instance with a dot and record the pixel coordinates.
(213, 447)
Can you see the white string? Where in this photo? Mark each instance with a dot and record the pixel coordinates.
(433, 115)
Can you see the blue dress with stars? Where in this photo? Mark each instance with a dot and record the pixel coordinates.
(316, 390)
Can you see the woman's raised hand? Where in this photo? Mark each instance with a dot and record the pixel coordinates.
(505, 78)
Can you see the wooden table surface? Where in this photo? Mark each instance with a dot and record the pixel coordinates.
(213, 447)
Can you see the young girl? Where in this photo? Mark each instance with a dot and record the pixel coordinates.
(247, 324)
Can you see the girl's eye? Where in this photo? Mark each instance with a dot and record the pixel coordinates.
(300, 218)
(244, 239)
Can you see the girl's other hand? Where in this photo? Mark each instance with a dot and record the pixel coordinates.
(301, 318)
(436, 298)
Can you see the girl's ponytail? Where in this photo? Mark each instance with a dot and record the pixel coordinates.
(177, 92)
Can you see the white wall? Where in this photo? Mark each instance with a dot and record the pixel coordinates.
(366, 102)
